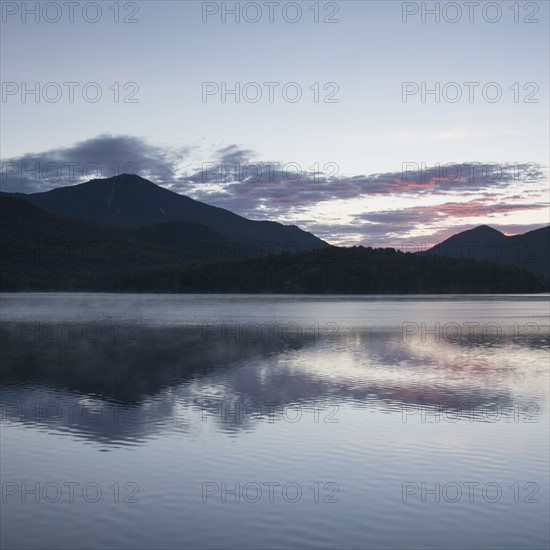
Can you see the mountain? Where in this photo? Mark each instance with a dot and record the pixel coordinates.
(530, 251)
(131, 201)
(43, 250)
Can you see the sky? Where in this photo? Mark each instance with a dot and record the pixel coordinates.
(376, 123)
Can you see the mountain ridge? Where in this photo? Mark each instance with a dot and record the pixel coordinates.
(42, 250)
(132, 201)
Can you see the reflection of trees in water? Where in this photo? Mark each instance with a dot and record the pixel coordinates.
(123, 392)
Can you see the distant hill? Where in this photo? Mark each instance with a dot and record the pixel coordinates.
(530, 251)
(42, 250)
(355, 270)
(131, 201)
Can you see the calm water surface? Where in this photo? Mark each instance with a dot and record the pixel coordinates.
(155, 421)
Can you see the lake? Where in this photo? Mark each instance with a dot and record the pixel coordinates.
(208, 421)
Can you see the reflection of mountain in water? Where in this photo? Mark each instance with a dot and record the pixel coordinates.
(175, 378)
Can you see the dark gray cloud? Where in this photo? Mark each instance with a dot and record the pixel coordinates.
(99, 157)
(232, 180)
(234, 154)
(450, 210)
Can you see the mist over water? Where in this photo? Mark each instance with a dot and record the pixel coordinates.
(274, 421)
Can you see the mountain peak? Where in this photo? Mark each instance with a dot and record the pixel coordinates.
(481, 233)
(485, 243)
(125, 178)
(130, 177)
(487, 229)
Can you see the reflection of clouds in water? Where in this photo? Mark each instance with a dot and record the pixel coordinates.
(172, 380)
(379, 371)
